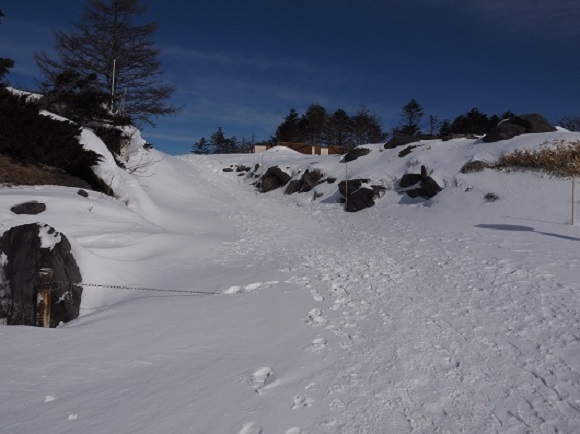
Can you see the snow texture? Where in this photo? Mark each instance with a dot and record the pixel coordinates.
(452, 315)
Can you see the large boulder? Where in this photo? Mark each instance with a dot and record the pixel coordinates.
(426, 188)
(359, 194)
(401, 140)
(273, 178)
(308, 180)
(25, 250)
(509, 128)
(354, 154)
(30, 208)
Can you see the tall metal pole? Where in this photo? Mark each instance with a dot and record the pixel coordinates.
(113, 86)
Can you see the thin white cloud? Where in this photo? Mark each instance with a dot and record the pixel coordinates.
(555, 17)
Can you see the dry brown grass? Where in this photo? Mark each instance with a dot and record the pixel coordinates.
(13, 173)
(561, 158)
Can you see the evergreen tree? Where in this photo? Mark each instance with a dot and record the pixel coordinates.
(5, 63)
(433, 123)
(411, 115)
(472, 122)
(340, 128)
(76, 97)
(507, 114)
(315, 122)
(201, 147)
(290, 130)
(223, 144)
(121, 54)
(445, 129)
(366, 127)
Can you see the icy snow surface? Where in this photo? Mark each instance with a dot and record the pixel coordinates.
(453, 315)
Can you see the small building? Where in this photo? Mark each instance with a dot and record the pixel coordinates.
(303, 148)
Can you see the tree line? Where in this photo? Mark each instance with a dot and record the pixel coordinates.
(318, 126)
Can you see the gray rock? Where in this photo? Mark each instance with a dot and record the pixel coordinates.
(273, 178)
(409, 179)
(354, 154)
(508, 129)
(30, 208)
(474, 166)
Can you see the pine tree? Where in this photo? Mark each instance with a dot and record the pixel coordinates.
(445, 129)
(366, 127)
(121, 54)
(316, 124)
(290, 130)
(340, 128)
(201, 147)
(411, 115)
(5, 63)
(433, 123)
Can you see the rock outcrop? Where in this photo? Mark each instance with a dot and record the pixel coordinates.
(359, 194)
(354, 154)
(509, 128)
(273, 178)
(426, 187)
(308, 180)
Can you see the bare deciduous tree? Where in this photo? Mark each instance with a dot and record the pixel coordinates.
(107, 43)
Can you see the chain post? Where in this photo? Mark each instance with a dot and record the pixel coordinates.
(46, 280)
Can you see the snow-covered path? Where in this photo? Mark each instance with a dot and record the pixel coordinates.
(324, 322)
(442, 332)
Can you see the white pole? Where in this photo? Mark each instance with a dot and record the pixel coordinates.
(345, 184)
(573, 183)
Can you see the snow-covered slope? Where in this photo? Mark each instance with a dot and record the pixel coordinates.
(448, 315)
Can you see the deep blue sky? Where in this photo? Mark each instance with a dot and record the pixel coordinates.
(241, 65)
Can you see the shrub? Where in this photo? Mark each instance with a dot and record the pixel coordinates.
(30, 137)
(561, 159)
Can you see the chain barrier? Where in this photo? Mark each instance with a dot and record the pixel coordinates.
(135, 288)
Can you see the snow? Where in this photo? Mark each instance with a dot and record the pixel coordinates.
(442, 316)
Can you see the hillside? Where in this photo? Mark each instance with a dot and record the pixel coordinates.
(454, 314)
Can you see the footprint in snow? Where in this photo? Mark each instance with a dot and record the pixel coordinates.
(262, 377)
(316, 295)
(250, 287)
(315, 317)
(302, 401)
(316, 345)
(251, 428)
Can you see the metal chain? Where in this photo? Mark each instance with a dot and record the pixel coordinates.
(135, 288)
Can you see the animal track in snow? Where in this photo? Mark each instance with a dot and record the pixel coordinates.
(251, 428)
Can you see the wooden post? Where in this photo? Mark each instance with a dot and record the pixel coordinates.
(46, 279)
